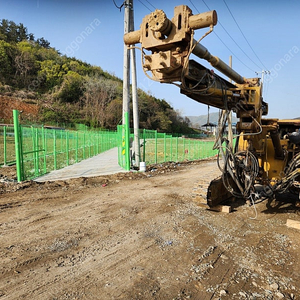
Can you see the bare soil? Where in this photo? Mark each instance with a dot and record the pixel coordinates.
(25, 106)
(143, 236)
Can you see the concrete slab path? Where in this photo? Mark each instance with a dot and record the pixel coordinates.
(103, 164)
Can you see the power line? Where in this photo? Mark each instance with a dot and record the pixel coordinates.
(244, 35)
(194, 6)
(234, 54)
(150, 4)
(145, 5)
(222, 40)
(119, 7)
(235, 41)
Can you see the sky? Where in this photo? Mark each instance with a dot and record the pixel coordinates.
(260, 36)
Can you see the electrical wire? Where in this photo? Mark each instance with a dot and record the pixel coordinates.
(119, 7)
(231, 39)
(244, 35)
(145, 5)
(150, 4)
(234, 53)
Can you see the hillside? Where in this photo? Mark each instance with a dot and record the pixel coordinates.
(198, 121)
(60, 89)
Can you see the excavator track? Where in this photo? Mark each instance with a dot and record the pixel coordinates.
(209, 193)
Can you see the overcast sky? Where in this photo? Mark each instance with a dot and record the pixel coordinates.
(270, 27)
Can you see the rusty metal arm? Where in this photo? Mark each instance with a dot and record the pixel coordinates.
(200, 51)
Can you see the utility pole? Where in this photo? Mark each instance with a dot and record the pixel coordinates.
(263, 72)
(129, 56)
(135, 107)
(126, 85)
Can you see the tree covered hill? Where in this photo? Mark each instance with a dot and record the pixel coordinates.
(68, 90)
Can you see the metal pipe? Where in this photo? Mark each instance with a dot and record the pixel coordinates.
(132, 37)
(203, 20)
(217, 63)
(158, 22)
(277, 145)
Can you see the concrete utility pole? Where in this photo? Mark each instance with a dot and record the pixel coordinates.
(130, 55)
(126, 67)
(126, 84)
(135, 107)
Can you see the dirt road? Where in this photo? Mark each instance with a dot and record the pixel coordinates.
(142, 236)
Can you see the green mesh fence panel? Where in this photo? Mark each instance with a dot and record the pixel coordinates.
(45, 150)
(161, 147)
(7, 146)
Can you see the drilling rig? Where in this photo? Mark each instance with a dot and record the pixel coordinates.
(265, 158)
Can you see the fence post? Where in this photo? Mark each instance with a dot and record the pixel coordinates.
(144, 145)
(84, 145)
(155, 146)
(171, 149)
(4, 145)
(97, 145)
(67, 147)
(17, 145)
(176, 148)
(90, 145)
(127, 141)
(184, 150)
(77, 137)
(44, 137)
(36, 153)
(54, 150)
(165, 147)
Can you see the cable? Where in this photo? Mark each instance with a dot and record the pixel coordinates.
(192, 47)
(232, 40)
(244, 36)
(119, 7)
(151, 4)
(194, 6)
(145, 5)
(253, 203)
(234, 53)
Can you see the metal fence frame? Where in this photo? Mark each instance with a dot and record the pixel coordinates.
(7, 145)
(38, 150)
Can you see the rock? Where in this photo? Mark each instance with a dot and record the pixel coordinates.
(223, 293)
(242, 294)
(274, 286)
(279, 295)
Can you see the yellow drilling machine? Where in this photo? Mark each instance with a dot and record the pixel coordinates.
(265, 158)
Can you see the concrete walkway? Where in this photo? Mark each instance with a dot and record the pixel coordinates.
(103, 164)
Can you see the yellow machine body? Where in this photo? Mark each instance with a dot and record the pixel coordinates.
(268, 150)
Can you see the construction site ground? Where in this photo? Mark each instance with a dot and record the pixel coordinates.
(143, 236)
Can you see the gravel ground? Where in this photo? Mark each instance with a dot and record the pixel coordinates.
(143, 236)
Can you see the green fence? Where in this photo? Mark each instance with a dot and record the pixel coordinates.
(45, 150)
(7, 145)
(40, 150)
(161, 147)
